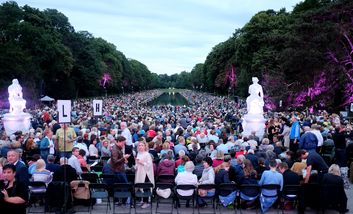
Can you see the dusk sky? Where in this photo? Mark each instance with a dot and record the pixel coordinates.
(167, 36)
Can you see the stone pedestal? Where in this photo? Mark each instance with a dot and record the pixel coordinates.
(13, 123)
(253, 123)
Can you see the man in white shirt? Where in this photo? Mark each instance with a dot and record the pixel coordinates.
(73, 161)
(316, 130)
(126, 133)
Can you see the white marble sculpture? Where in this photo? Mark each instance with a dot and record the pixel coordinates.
(16, 119)
(254, 120)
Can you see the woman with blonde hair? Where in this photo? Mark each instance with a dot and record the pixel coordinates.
(144, 168)
(42, 174)
(333, 189)
(166, 148)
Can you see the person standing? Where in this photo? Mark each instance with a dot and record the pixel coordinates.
(125, 132)
(47, 145)
(144, 168)
(314, 162)
(65, 147)
(118, 160)
(294, 135)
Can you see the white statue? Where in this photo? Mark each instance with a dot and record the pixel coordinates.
(255, 102)
(17, 103)
(16, 119)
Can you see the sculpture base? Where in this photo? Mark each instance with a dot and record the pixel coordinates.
(13, 123)
(254, 123)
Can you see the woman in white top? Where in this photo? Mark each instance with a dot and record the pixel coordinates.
(144, 168)
(186, 178)
(93, 151)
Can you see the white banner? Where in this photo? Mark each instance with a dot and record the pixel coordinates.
(97, 107)
(64, 109)
(351, 107)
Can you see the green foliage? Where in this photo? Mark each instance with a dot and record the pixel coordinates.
(286, 51)
(44, 52)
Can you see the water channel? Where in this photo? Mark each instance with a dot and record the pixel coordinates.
(169, 98)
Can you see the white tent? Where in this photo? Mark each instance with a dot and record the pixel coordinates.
(46, 99)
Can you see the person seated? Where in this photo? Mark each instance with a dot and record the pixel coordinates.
(65, 171)
(222, 177)
(166, 166)
(42, 174)
(186, 178)
(83, 163)
(333, 190)
(219, 159)
(51, 165)
(270, 177)
(208, 177)
(250, 174)
(15, 192)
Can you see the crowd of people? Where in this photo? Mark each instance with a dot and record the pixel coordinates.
(201, 143)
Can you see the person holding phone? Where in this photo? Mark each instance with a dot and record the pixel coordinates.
(15, 193)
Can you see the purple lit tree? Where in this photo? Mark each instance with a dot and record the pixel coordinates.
(106, 78)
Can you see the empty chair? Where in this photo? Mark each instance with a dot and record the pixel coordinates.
(99, 191)
(122, 192)
(185, 192)
(143, 190)
(96, 168)
(164, 195)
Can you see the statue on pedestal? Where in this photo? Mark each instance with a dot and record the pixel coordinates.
(17, 103)
(255, 102)
(16, 119)
(254, 121)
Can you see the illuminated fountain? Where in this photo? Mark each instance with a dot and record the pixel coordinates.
(16, 119)
(254, 120)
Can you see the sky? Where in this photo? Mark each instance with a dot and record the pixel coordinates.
(168, 36)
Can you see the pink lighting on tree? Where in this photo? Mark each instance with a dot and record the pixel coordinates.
(106, 78)
(232, 78)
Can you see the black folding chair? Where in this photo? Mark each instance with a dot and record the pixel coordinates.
(227, 188)
(91, 177)
(96, 168)
(162, 200)
(290, 193)
(143, 190)
(122, 191)
(99, 191)
(165, 178)
(37, 191)
(130, 177)
(275, 189)
(178, 197)
(249, 193)
(207, 199)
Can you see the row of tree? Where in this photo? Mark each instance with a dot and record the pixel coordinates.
(302, 58)
(46, 54)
